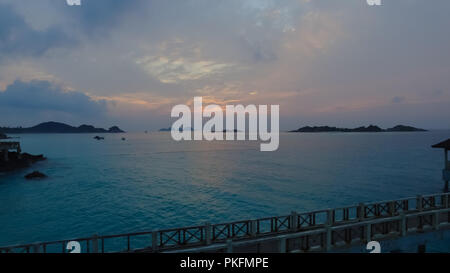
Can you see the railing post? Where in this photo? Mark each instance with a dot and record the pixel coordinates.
(419, 199)
(436, 220)
(282, 245)
(421, 248)
(330, 216)
(361, 211)
(403, 226)
(208, 233)
(369, 232)
(328, 238)
(37, 248)
(95, 243)
(445, 201)
(229, 246)
(392, 208)
(294, 221)
(155, 241)
(253, 227)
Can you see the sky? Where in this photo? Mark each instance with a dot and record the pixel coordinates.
(127, 63)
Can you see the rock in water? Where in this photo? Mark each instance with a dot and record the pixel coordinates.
(99, 138)
(35, 175)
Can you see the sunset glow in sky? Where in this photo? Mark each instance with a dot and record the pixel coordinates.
(126, 63)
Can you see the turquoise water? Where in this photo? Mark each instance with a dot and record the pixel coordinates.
(151, 182)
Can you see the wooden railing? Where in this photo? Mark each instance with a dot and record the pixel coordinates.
(332, 238)
(345, 224)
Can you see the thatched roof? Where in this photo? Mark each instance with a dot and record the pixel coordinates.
(443, 145)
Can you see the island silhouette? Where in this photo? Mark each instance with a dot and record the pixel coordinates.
(57, 127)
(370, 128)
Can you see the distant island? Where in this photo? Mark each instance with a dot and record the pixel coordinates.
(188, 128)
(170, 129)
(57, 128)
(370, 128)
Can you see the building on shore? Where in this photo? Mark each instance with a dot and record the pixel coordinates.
(445, 145)
(5, 147)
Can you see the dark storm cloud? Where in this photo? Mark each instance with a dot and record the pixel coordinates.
(18, 38)
(45, 96)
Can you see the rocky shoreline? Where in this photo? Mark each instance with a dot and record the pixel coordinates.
(16, 162)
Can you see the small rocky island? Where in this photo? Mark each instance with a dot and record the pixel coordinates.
(169, 129)
(370, 128)
(35, 176)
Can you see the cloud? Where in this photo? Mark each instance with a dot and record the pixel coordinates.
(37, 96)
(343, 56)
(17, 38)
(169, 70)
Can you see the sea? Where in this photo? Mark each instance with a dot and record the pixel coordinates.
(149, 181)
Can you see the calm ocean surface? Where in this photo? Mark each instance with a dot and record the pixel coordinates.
(151, 182)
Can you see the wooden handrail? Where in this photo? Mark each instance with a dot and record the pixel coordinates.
(285, 225)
